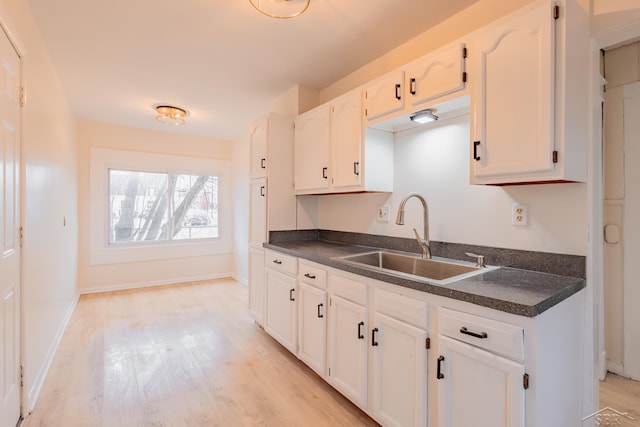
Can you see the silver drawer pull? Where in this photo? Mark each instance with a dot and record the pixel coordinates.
(481, 335)
(310, 276)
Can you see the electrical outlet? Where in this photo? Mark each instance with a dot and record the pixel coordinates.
(520, 214)
(383, 213)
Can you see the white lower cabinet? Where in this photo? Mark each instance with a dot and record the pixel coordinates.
(370, 341)
(256, 284)
(312, 327)
(348, 349)
(477, 388)
(399, 372)
(281, 314)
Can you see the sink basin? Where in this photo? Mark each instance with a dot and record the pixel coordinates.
(414, 267)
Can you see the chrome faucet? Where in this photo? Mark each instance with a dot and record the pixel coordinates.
(424, 243)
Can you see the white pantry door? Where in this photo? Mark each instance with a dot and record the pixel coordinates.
(9, 233)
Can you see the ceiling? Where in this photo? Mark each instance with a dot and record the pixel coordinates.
(220, 59)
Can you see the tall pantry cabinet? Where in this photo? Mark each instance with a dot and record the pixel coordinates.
(272, 204)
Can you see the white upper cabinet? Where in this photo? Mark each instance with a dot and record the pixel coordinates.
(272, 201)
(258, 148)
(526, 114)
(311, 163)
(333, 154)
(384, 96)
(346, 137)
(436, 75)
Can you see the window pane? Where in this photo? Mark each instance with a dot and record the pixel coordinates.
(138, 206)
(195, 206)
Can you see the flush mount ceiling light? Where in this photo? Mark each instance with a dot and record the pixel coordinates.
(281, 9)
(424, 116)
(170, 115)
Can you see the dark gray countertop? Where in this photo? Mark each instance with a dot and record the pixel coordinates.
(522, 292)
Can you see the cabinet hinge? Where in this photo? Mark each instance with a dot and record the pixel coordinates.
(464, 77)
(427, 343)
(21, 96)
(329, 371)
(21, 235)
(556, 12)
(525, 381)
(555, 156)
(330, 301)
(464, 52)
(21, 376)
(366, 112)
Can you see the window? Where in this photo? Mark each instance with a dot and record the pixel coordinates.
(148, 206)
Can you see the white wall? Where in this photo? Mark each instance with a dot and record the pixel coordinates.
(434, 162)
(131, 274)
(49, 190)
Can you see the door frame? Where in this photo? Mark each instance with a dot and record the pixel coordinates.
(16, 41)
(595, 260)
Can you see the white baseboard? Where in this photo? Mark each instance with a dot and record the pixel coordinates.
(242, 280)
(603, 365)
(127, 286)
(616, 368)
(34, 392)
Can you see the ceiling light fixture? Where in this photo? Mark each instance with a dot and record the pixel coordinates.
(424, 116)
(170, 115)
(281, 9)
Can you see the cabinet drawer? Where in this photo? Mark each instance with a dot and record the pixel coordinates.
(403, 308)
(497, 337)
(349, 289)
(281, 262)
(312, 274)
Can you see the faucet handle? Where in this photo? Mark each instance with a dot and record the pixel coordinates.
(479, 259)
(417, 235)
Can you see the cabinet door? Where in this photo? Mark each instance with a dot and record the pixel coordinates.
(258, 211)
(312, 327)
(513, 96)
(437, 75)
(256, 284)
(384, 96)
(399, 372)
(281, 314)
(478, 388)
(346, 141)
(258, 148)
(348, 349)
(311, 166)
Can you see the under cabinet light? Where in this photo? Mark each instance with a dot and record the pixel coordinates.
(424, 116)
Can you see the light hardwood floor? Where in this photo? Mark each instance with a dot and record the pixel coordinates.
(183, 355)
(189, 355)
(621, 394)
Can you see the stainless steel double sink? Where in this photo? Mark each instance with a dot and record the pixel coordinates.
(413, 267)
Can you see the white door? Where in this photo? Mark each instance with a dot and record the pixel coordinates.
(399, 373)
(312, 327)
(9, 235)
(631, 227)
(348, 349)
(477, 388)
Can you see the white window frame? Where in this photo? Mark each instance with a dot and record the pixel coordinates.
(101, 252)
